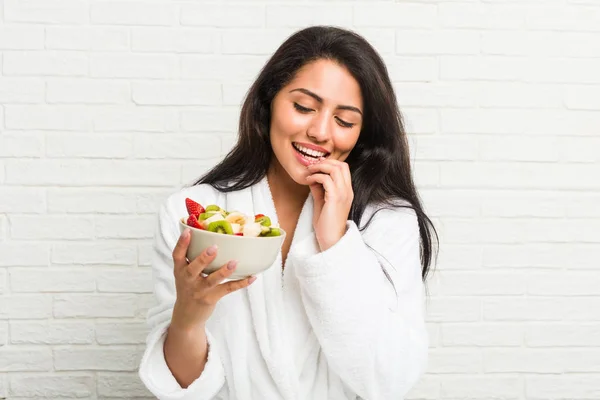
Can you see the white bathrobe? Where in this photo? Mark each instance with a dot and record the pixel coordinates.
(328, 326)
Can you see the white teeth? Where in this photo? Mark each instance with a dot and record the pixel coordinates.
(311, 152)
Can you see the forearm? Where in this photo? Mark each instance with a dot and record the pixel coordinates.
(186, 352)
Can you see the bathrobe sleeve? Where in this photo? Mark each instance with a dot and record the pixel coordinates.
(371, 329)
(154, 372)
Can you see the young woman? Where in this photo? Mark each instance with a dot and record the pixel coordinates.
(322, 149)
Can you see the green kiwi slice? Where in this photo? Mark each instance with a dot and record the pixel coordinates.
(213, 207)
(206, 215)
(220, 227)
(272, 232)
(264, 220)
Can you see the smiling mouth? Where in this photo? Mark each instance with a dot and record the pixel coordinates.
(310, 154)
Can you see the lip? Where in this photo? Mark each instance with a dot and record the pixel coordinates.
(303, 160)
(313, 147)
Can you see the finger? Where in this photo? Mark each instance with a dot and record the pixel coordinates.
(221, 274)
(334, 168)
(325, 180)
(197, 265)
(180, 250)
(233, 286)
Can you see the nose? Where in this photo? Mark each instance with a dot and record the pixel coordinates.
(318, 129)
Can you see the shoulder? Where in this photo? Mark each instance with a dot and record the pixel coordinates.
(389, 221)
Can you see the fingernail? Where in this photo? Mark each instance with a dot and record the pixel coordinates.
(252, 279)
(186, 232)
(211, 250)
(231, 265)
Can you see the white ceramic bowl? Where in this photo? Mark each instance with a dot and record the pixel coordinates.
(253, 254)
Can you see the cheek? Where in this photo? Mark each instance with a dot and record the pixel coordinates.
(287, 122)
(345, 141)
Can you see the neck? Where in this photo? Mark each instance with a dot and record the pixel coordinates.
(284, 189)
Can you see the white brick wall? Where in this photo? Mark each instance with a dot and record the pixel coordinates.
(108, 106)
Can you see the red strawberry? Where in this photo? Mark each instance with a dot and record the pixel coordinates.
(193, 222)
(239, 234)
(257, 216)
(193, 208)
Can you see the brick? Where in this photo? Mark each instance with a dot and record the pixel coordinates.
(537, 361)
(223, 16)
(135, 66)
(96, 253)
(564, 18)
(519, 95)
(88, 146)
(21, 90)
(542, 309)
(46, 11)
(224, 119)
(426, 388)
(300, 16)
(426, 174)
(562, 386)
(451, 203)
(121, 385)
(234, 93)
(562, 335)
(51, 280)
(95, 306)
(52, 332)
(51, 227)
(582, 97)
(434, 335)
(87, 38)
(412, 68)
(133, 13)
(24, 254)
(45, 117)
(174, 146)
(124, 227)
(21, 37)
(121, 332)
(25, 359)
(21, 144)
(485, 16)
(445, 147)
(481, 387)
(228, 67)
(434, 42)
(3, 280)
(99, 172)
(177, 93)
(148, 202)
(3, 336)
(444, 361)
(252, 41)
(46, 386)
(518, 175)
(3, 227)
(395, 15)
(45, 63)
(558, 283)
(27, 306)
(564, 70)
(122, 358)
(145, 254)
(135, 118)
(494, 68)
(177, 40)
(518, 148)
(583, 206)
(541, 43)
(3, 377)
(22, 200)
(474, 283)
(436, 94)
(482, 335)
(460, 257)
(144, 303)
(420, 121)
(87, 91)
(522, 204)
(132, 280)
(444, 309)
(103, 200)
(523, 255)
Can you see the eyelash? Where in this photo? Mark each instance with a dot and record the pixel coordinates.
(307, 110)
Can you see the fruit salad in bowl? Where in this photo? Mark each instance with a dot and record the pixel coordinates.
(253, 241)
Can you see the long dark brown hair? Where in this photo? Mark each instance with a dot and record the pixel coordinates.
(380, 161)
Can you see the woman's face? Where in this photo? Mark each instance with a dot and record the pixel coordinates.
(319, 112)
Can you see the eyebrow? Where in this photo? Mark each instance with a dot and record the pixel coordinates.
(320, 100)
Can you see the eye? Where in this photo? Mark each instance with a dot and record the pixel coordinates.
(344, 123)
(302, 109)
